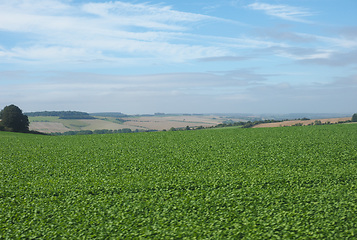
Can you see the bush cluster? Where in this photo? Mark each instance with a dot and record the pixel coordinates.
(13, 120)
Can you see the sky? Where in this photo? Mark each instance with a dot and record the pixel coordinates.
(201, 56)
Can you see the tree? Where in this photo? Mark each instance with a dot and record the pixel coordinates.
(318, 122)
(12, 119)
(354, 117)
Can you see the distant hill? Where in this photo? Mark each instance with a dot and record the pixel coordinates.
(291, 116)
(61, 114)
(304, 115)
(109, 114)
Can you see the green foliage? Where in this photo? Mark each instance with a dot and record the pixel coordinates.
(318, 122)
(62, 114)
(354, 117)
(12, 119)
(247, 124)
(120, 120)
(233, 183)
(110, 114)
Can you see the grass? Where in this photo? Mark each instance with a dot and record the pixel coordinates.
(43, 119)
(287, 183)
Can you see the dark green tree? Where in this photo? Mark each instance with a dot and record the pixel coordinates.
(12, 119)
(354, 117)
(318, 122)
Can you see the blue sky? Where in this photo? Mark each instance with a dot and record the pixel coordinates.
(202, 56)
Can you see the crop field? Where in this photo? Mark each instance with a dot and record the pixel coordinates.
(302, 122)
(55, 124)
(166, 122)
(234, 183)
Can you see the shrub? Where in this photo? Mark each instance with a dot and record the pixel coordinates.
(12, 119)
(354, 117)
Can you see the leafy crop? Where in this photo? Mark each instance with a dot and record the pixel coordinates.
(280, 183)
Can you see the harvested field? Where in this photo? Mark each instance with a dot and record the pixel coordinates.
(95, 124)
(76, 125)
(167, 122)
(304, 122)
(48, 127)
(54, 124)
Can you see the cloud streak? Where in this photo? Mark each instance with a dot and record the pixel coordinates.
(285, 12)
(333, 59)
(92, 30)
(143, 15)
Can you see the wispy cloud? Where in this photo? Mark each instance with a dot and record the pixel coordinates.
(55, 31)
(284, 34)
(225, 59)
(333, 59)
(143, 15)
(286, 12)
(61, 31)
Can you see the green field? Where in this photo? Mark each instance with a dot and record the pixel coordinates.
(267, 183)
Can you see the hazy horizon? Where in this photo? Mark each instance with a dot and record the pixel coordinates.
(140, 57)
(226, 114)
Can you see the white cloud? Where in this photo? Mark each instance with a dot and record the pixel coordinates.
(143, 15)
(57, 30)
(113, 31)
(337, 42)
(41, 53)
(283, 11)
(305, 38)
(333, 59)
(300, 53)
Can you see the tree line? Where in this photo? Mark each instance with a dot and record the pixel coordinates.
(62, 114)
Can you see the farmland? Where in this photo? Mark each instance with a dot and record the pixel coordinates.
(289, 123)
(233, 183)
(55, 124)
